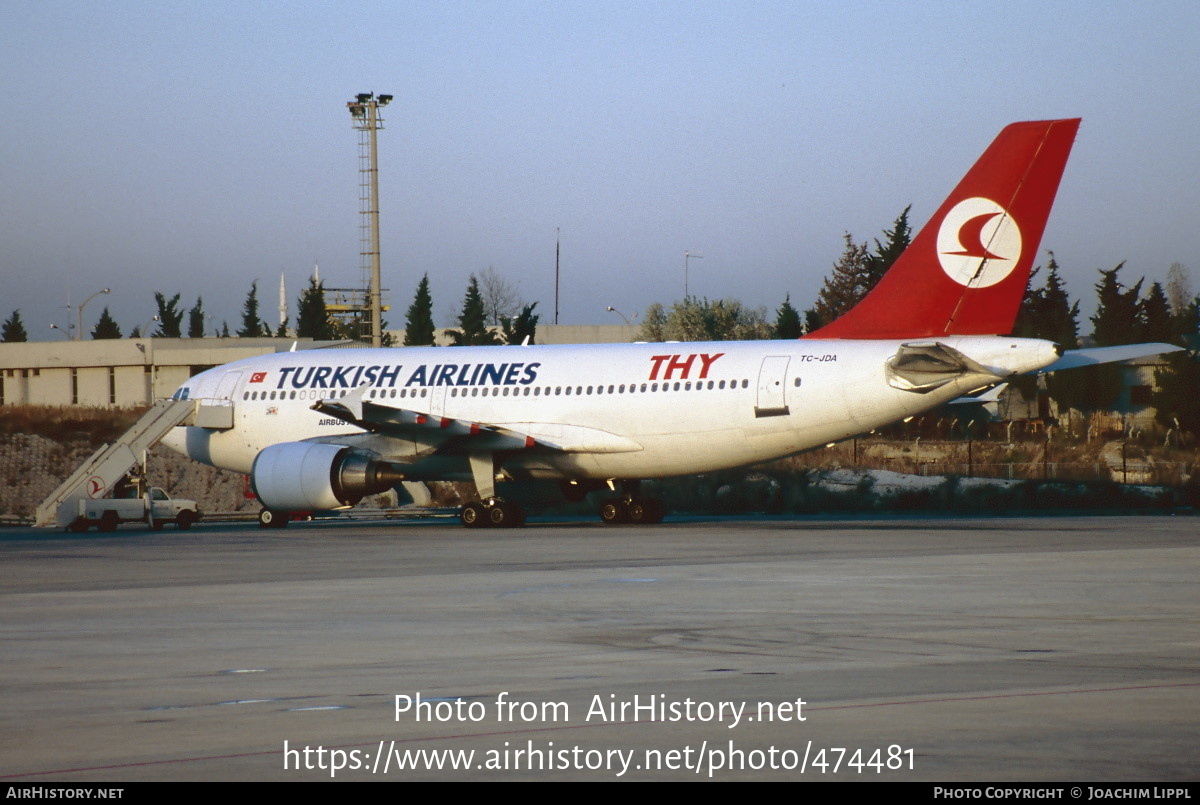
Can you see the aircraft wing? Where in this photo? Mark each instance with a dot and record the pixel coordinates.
(447, 434)
(1095, 356)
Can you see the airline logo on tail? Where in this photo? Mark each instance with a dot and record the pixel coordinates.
(978, 243)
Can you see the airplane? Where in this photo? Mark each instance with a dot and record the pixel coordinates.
(319, 430)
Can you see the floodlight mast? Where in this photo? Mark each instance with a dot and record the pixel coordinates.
(364, 112)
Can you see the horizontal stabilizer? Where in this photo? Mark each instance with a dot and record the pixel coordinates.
(986, 398)
(1097, 355)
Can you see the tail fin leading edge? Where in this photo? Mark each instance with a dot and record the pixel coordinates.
(966, 270)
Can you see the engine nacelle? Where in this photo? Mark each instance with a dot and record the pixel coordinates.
(302, 476)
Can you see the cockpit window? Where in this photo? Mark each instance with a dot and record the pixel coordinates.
(181, 393)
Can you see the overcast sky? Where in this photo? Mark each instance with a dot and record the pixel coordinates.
(194, 147)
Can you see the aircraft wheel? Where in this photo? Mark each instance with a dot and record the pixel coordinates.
(108, 521)
(636, 512)
(269, 518)
(510, 515)
(499, 515)
(473, 515)
(613, 512)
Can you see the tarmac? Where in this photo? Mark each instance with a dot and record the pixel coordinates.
(937, 649)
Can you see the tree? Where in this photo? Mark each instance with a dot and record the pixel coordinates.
(787, 321)
(252, 325)
(13, 329)
(1154, 317)
(845, 286)
(654, 324)
(1176, 401)
(500, 299)
(106, 327)
(170, 317)
(472, 322)
(1117, 321)
(282, 332)
(418, 328)
(312, 320)
(897, 240)
(856, 272)
(515, 331)
(1047, 313)
(196, 319)
(1179, 287)
(695, 319)
(1118, 315)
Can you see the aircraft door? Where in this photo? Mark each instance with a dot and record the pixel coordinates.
(772, 387)
(227, 386)
(437, 401)
(216, 413)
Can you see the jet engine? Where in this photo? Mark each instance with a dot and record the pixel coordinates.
(303, 476)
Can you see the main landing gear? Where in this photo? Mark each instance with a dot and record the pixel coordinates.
(631, 508)
(490, 511)
(493, 513)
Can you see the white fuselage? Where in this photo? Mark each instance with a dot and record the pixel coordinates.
(597, 411)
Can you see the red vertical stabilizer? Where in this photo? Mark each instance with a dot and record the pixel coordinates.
(965, 272)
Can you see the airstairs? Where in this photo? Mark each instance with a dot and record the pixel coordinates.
(97, 476)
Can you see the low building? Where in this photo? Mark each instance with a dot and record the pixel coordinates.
(121, 372)
(129, 372)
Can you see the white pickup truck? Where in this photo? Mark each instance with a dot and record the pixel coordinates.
(156, 508)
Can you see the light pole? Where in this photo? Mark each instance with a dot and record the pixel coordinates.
(612, 309)
(688, 256)
(79, 312)
(364, 110)
(146, 326)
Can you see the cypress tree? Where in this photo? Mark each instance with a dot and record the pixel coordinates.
(418, 329)
(170, 317)
(13, 329)
(106, 327)
(196, 319)
(312, 320)
(518, 328)
(844, 287)
(252, 325)
(472, 322)
(787, 321)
